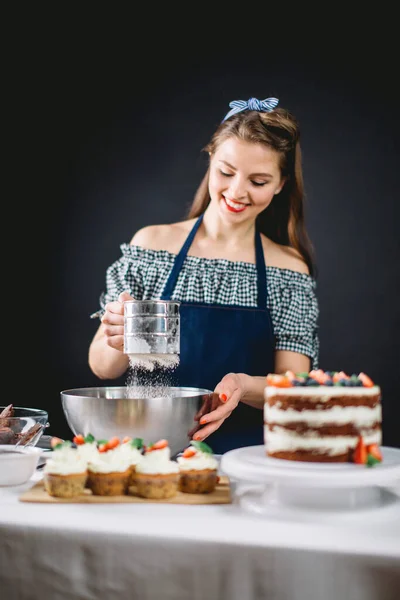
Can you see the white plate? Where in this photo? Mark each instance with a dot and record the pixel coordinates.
(252, 465)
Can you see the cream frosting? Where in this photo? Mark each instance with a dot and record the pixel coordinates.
(198, 462)
(161, 454)
(132, 454)
(363, 416)
(65, 461)
(321, 393)
(157, 462)
(111, 461)
(286, 440)
(88, 451)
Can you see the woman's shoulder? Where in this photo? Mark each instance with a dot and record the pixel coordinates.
(283, 257)
(168, 237)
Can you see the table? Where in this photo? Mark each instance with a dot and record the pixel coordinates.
(176, 552)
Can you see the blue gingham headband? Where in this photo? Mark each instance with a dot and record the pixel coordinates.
(238, 106)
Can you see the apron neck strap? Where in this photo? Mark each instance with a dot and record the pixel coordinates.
(180, 259)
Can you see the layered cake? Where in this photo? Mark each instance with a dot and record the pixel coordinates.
(321, 416)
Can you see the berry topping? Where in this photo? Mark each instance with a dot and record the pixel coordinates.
(318, 377)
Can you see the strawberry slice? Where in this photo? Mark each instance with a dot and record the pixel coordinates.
(374, 450)
(366, 381)
(339, 375)
(278, 380)
(319, 375)
(360, 452)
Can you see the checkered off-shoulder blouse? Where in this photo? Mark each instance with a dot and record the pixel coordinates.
(292, 301)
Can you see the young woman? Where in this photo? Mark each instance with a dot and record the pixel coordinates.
(241, 266)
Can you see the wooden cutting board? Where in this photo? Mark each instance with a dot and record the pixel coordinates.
(221, 495)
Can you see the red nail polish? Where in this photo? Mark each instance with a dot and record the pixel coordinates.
(223, 397)
(203, 421)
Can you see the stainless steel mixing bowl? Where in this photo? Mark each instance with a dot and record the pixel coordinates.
(107, 411)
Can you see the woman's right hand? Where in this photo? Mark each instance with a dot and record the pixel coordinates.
(219, 405)
(113, 322)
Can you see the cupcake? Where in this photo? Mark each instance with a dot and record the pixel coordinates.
(133, 450)
(198, 468)
(109, 471)
(157, 476)
(65, 473)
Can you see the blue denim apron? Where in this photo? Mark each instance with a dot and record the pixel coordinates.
(218, 339)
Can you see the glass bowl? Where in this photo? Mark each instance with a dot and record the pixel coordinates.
(20, 424)
(17, 465)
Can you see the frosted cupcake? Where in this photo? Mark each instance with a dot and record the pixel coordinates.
(109, 471)
(157, 476)
(65, 473)
(133, 450)
(198, 468)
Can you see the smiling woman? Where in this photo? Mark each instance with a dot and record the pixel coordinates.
(239, 188)
(240, 265)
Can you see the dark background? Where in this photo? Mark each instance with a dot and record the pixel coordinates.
(112, 142)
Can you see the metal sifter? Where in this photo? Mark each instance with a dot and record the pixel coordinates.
(152, 330)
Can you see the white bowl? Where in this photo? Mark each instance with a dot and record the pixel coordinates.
(17, 465)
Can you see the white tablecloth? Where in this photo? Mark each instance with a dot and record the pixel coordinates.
(176, 552)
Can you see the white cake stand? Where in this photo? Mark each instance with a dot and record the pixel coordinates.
(264, 484)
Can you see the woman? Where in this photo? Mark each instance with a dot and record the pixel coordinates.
(241, 266)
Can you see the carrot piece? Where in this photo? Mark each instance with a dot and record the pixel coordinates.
(126, 439)
(158, 445)
(113, 443)
(78, 439)
(55, 441)
(189, 452)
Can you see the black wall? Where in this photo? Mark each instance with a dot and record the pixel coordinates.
(116, 145)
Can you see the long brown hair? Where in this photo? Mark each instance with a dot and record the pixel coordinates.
(283, 220)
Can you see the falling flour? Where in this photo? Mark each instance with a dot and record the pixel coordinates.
(150, 374)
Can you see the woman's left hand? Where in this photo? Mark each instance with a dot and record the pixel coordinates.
(218, 406)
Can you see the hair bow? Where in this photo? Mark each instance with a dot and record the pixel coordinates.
(238, 106)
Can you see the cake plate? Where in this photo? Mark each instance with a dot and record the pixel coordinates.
(262, 483)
